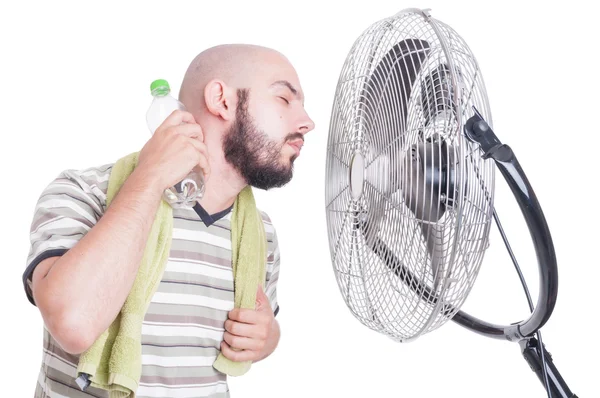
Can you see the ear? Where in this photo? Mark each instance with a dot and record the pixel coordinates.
(219, 100)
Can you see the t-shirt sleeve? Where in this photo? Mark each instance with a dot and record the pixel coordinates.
(66, 210)
(273, 262)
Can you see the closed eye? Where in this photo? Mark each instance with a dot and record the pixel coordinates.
(286, 101)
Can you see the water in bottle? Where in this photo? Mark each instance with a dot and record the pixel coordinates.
(191, 188)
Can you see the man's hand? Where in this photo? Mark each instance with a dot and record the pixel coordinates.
(251, 335)
(176, 148)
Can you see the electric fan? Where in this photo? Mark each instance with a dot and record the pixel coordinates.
(410, 188)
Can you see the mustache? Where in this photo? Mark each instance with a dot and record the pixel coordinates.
(294, 136)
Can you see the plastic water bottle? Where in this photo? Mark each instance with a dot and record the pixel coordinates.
(191, 188)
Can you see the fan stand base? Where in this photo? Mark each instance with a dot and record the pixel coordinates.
(530, 350)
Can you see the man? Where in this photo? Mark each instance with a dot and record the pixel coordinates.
(246, 125)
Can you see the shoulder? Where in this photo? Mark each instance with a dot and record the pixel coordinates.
(74, 188)
(84, 184)
(95, 176)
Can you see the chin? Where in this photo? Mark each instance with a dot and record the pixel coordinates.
(287, 161)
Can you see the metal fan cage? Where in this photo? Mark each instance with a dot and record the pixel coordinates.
(409, 82)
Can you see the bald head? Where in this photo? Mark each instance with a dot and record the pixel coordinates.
(237, 65)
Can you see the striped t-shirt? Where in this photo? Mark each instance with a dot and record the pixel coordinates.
(184, 325)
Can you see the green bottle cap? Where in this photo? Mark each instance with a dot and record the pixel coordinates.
(160, 85)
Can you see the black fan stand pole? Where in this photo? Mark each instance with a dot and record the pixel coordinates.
(531, 352)
(478, 131)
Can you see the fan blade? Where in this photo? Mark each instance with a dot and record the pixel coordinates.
(389, 258)
(386, 96)
(432, 186)
(436, 94)
(434, 238)
(384, 105)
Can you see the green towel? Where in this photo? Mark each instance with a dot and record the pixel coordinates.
(248, 256)
(113, 362)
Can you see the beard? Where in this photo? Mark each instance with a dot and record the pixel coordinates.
(250, 151)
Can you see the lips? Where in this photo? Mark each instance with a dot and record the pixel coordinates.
(297, 145)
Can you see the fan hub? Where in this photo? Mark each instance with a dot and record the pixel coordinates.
(357, 175)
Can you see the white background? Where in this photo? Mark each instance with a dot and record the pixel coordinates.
(76, 74)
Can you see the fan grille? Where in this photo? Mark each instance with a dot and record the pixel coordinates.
(401, 233)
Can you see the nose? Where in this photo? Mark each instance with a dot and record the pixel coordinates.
(305, 123)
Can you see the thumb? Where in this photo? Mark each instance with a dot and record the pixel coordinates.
(262, 300)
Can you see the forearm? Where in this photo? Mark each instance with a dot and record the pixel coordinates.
(272, 341)
(85, 288)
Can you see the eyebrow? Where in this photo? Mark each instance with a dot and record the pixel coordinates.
(287, 84)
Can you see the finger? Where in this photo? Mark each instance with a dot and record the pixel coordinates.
(244, 329)
(261, 298)
(202, 156)
(236, 356)
(191, 130)
(203, 164)
(178, 117)
(245, 315)
(242, 343)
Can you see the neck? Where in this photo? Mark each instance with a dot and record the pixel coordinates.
(224, 183)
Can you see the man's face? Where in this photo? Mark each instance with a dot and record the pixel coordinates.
(267, 134)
